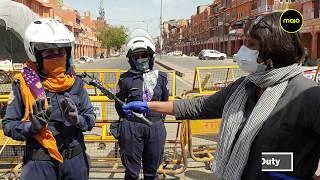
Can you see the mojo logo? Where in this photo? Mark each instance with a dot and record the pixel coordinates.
(291, 21)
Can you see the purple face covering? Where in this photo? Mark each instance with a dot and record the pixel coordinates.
(34, 83)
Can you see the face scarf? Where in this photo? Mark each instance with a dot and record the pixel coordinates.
(32, 89)
(149, 83)
(230, 162)
(57, 80)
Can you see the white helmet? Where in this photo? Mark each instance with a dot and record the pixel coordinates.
(47, 33)
(139, 40)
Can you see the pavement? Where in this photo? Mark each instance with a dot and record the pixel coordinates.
(185, 66)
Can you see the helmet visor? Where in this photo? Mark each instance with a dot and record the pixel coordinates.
(140, 55)
(44, 46)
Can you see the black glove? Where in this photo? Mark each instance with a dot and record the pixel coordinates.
(70, 110)
(39, 116)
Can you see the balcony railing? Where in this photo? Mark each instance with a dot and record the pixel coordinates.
(262, 9)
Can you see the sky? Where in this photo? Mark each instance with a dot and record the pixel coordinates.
(139, 13)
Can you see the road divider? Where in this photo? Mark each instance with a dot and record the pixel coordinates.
(180, 71)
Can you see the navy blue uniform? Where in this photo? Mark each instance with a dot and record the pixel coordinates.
(138, 141)
(70, 139)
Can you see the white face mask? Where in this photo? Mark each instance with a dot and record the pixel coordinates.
(247, 60)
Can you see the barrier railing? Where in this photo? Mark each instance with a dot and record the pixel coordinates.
(196, 139)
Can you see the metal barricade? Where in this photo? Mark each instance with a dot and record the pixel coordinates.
(202, 135)
(175, 157)
(208, 80)
(109, 78)
(11, 153)
(102, 148)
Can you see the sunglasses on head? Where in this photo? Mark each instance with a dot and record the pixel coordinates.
(260, 23)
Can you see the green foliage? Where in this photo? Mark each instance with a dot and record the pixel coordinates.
(112, 37)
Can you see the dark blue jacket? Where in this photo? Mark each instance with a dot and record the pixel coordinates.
(64, 133)
(130, 89)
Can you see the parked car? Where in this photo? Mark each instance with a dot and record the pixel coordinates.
(115, 54)
(175, 53)
(207, 54)
(170, 53)
(86, 59)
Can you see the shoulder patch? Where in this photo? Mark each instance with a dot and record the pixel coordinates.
(11, 97)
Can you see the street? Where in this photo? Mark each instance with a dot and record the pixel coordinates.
(185, 64)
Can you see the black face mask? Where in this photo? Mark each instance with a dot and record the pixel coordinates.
(142, 64)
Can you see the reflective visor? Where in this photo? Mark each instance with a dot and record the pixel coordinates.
(53, 53)
(140, 55)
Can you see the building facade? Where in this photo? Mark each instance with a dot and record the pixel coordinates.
(86, 43)
(172, 34)
(222, 24)
(311, 27)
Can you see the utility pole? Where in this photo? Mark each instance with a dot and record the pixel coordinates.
(102, 12)
(161, 26)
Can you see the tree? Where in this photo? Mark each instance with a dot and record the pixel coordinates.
(112, 37)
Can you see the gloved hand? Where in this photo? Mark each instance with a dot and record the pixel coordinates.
(70, 110)
(39, 116)
(281, 176)
(138, 106)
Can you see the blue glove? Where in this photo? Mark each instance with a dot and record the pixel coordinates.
(138, 106)
(281, 176)
(128, 113)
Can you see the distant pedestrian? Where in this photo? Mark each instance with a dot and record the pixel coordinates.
(273, 109)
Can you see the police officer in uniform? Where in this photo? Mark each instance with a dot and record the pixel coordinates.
(49, 107)
(139, 142)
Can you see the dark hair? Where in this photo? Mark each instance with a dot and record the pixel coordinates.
(282, 48)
